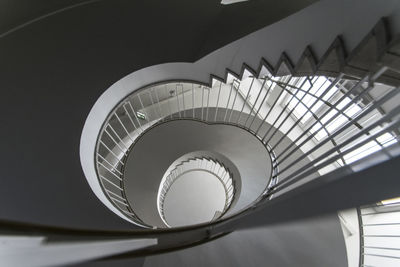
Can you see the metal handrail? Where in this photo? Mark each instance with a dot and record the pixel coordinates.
(216, 168)
(379, 234)
(327, 125)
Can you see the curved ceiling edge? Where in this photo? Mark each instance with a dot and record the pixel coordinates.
(46, 15)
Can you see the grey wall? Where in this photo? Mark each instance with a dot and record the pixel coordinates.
(315, 242)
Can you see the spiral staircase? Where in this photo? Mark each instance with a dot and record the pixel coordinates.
(195, 159)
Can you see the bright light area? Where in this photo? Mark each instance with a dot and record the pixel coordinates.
(306, 102)
(381, 233)
(391, 201)
(229, 2)
(310, 101)
(384, 140)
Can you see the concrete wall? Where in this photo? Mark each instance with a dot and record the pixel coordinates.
(312, 243)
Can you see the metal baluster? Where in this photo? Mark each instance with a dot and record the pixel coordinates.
(193, 99)
(113, 167)
(183, 99)
(134, 114)
(255, 102)
(123, 126)
(158, 103)
(152, 102)
(301, 173)
(112, 193)
(112, 153)
(168, 100)
(105, 179)
(310, 109)
(245, 101)
(116, 176)
(216, 110)
(234, 100)
(202, 102)
(115, 142)
(177, 100)
(262, 102)
(308, 130)
(285, 108)
(129, 116)
(299, 101)
(227, 103)
(272, 107)
(208, 102)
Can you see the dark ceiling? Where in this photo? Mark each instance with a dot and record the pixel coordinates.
(53, 69)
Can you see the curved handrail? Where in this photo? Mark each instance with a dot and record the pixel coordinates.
(216, 168)
(329, 122)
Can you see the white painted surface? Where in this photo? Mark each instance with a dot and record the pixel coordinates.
(194, 198)
(350, 227)
(229, 2)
